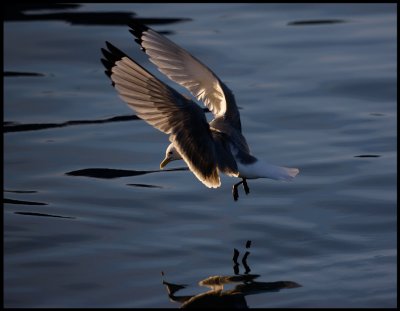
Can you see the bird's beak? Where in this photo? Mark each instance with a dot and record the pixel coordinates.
(164, 162)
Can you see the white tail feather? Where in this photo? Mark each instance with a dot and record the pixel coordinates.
(290, 173)
(262, 169)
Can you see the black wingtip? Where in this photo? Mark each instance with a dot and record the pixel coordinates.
(111, 56)
(138, 36)
(108, 67)
(113, 53)
(137, 30)
(117, 53)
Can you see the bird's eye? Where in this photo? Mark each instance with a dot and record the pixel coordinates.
(170, 152)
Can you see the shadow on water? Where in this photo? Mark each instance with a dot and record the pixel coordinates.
(218, 297)
(108, 173)
(42, 215)
(10, 126)
(16, 127)
(367, 156)
(144, 186)
(21, 191)
(19, 202)
(17, 13)
(22, 74)
(316, 22)
(32, 203)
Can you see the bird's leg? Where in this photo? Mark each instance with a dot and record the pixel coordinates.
(245, 186)
(235, 190)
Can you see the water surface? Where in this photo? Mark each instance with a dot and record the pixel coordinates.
(90, 221)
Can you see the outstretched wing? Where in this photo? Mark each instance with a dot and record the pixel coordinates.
(167, 110)
(183, 68)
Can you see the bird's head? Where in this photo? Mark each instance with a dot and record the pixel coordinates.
(171, 154)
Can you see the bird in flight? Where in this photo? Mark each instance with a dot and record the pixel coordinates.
(208, 148)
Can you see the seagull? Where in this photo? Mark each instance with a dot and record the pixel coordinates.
(208, 148)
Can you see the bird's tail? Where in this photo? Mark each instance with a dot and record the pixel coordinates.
(280, 172)
(290, 173)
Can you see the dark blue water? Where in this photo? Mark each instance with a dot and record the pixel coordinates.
(316, 85)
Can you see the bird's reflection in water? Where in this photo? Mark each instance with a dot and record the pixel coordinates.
(218, 297)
